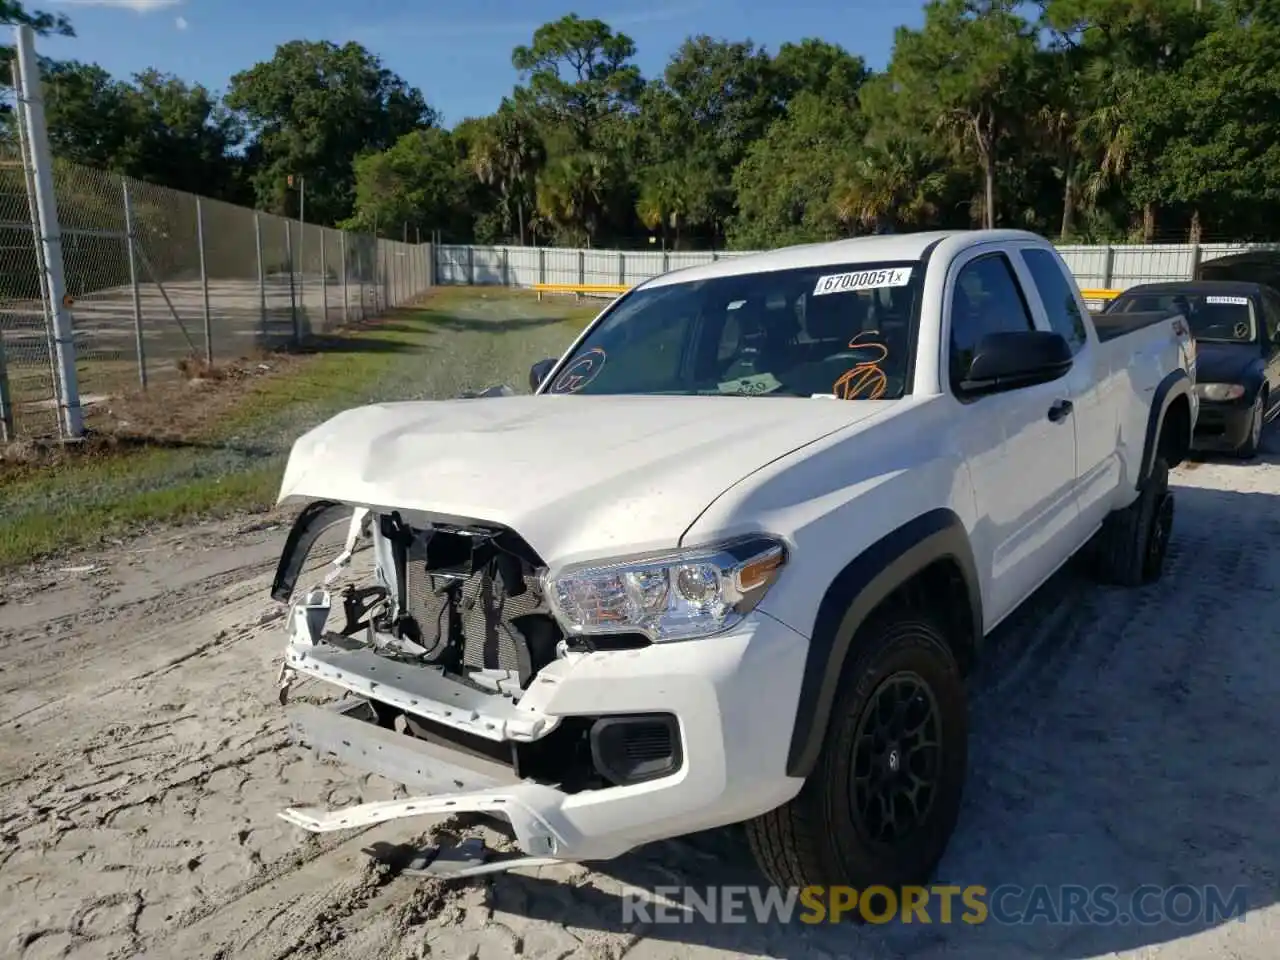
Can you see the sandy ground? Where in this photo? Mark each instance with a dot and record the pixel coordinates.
(1119, 737)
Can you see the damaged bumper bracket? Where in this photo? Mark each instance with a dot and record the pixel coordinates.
(427, 693)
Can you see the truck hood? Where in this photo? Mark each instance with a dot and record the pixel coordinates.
(576, 477)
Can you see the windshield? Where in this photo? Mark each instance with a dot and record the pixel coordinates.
(844, 331)
(1213, 317)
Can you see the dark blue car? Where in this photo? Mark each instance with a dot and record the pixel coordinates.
(1235, 324)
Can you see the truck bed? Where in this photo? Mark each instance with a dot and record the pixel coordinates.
(1113, 325)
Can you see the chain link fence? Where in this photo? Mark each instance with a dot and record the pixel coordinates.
(157, 279)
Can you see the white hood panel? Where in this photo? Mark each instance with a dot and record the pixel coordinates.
(576, 477)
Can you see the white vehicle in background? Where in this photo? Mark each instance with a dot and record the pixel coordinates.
(733, 558)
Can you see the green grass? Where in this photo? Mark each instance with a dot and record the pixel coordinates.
(462, 339)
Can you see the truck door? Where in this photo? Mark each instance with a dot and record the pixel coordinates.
(1098, 469)
(1020, 443)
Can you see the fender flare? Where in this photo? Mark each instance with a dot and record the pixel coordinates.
(1175, 384)
(312, 521)
(851, 597)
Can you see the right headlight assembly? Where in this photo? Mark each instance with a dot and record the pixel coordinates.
(678, 595)
(1219, 391)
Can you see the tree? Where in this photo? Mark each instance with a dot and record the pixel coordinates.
(1218, 119)
(417, 184)
(819, 67)
(784, 186)
(965, 75)
(715, 99)
(13, 13)
(184, 136)
(505, 155)
(90, 116)
(582, 90)
(579, 76)
(313, 108)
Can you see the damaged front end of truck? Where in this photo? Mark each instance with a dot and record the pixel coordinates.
(450, 660)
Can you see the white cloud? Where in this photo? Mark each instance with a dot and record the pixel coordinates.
(181, 23)
(140, 6)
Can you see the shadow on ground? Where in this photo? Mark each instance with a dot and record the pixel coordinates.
(479, 325)
(1120, 738)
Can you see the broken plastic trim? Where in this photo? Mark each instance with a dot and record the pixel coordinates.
(314, 519)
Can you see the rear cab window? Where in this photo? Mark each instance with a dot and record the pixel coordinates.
(1058, 296)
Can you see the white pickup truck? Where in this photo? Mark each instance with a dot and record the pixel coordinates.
(732, 559)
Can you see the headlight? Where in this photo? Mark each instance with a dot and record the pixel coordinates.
(679, 595)
(1219, 391)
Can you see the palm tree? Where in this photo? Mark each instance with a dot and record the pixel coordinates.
(571, 192)
(507, 156)
(887, 183)
(1108, 129)
(677, 195)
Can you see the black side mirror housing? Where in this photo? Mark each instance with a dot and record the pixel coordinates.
(1023, 358)
(538, 372)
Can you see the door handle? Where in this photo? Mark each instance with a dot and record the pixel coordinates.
(1060, 410)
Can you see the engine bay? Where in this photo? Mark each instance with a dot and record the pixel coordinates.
(465, 600)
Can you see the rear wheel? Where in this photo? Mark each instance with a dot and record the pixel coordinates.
(1131, 547)
(882, 801)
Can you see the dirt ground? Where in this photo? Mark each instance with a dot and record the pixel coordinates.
(1122, 737)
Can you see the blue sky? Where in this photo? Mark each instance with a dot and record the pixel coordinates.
(458, 54)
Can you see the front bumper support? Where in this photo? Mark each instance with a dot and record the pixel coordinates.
(721, 690)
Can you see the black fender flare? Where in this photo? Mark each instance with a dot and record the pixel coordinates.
(314, 519)
(851, 597)
(1175, 384)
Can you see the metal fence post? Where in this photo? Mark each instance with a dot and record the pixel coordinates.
(293, 298)
(139, 344)
(360, 277)
(346, 300)
(1108, 266)
(6, 401)
(262, 278)
(324, 284)
(471, 265)
(24, 151)
(51, 235)
(204, 284)
(582, 267)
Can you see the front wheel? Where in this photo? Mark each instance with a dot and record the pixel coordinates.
(1257, 419)
(882, 801)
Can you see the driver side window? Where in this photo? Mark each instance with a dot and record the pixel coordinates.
(986, 299)
(1271, 300)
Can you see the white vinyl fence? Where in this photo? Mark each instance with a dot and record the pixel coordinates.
(1100, 267)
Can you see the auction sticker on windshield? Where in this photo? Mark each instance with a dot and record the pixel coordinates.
(862, 280)
(1234, 301)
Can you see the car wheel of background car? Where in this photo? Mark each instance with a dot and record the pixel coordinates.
(1257, 418)
(1130, 548)
(882, 801)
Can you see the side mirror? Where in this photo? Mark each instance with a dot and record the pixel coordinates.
(538, 372)
(1008, 361)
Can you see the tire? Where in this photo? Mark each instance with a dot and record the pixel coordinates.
(817, 838)
(1257, 421)
(1131, 547)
